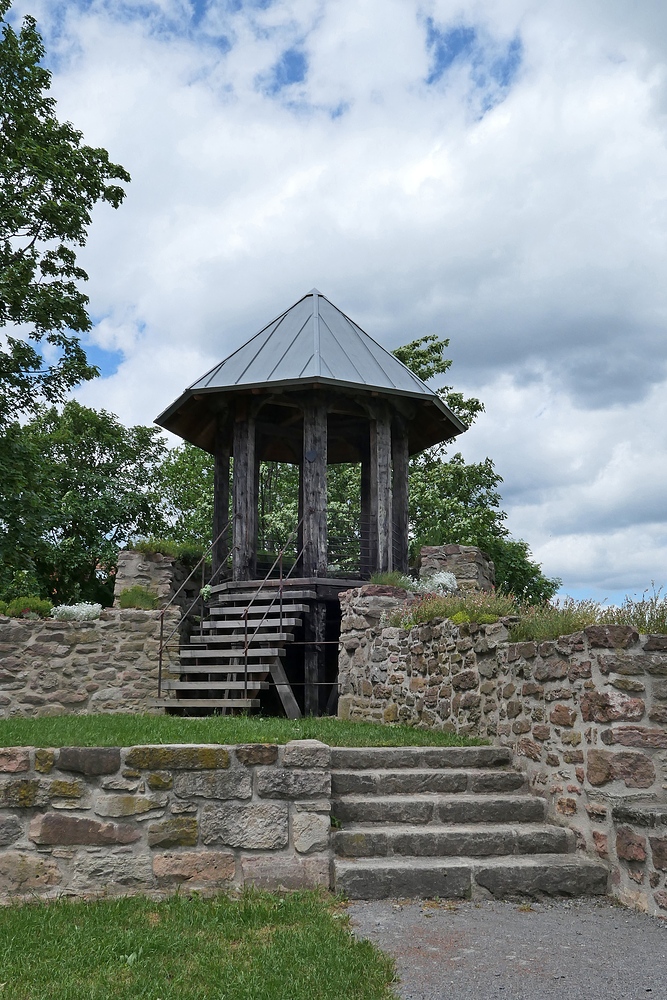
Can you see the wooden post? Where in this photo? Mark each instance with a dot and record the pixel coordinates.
(401, 459)
(314, 488)
(220, 499)
(314, 657)
(244, 557)
(368, 527)
(380, 441)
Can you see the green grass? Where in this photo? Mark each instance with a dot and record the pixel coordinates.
(474, 607)
(138, 597)
(258, 947)
(130, 730)
(394, 579)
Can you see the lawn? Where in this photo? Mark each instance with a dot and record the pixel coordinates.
(130, 730)
(259, 947)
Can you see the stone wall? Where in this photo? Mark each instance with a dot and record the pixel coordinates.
(100, 821)
(49, 667)
(473, 569)
(586, 714)
(163, 575)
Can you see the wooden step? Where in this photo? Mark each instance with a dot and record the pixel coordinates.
(215, 685)
(209, 654)
(260, 610)
(266, 596)
(271, 621)
(207, 669)
(235, 640)
(244, 703)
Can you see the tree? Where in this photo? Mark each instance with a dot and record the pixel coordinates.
(50, 183)
(92, 487)
(185, 483)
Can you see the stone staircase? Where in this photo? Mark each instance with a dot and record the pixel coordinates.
(213, 665)
(450, 822)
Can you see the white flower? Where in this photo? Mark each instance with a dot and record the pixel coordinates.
(84, 612)
(442, 582)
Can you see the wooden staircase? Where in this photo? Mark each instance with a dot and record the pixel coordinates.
(239, 652)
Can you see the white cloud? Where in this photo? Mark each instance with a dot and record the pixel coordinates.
(533, 235)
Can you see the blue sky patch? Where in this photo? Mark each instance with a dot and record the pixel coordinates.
(493, 65)
(108, 362)
(290, 68)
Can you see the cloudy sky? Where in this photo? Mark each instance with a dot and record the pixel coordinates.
(492, 172)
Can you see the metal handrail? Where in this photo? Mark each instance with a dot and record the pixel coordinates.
(202, 563)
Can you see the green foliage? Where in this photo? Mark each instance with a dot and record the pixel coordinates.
(120, 730)
(426, 358)
(186, 552)
(516, 572)
(473, 606)
(648, 615)
(394, 579)
(89, 487)
(185, 482)
(50, 183)
(22, 607)
(261, 946)
(138, 597)
(3, 607)
(567, 615)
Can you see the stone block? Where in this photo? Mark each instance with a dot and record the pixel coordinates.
(465, 680)
(306, 754)
(27, 873)
(178, 758)
(601, 844)
(635, 769)
(628, 684)
(258, 826)
(661, 899)
(551, 669)
(608, 706)
(636, 736)
(280, 783)
(199, 868)
(287, 872)
(233, 784)
(611, 636)
(257, 753)
(310, 832)
(659, 852)
(23, 793)
(10, 829)
(563, 715)
(112, 873)
(179, 831)
(13, 759)
(630, 846)
(54, 828)
(160, 781)
(129, 805)
(59, 788)
(44, 761)
(656, 642)
(89, 760)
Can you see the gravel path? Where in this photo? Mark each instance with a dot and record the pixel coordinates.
(573, 950)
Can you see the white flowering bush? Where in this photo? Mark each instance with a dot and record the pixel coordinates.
(441, 582)
(83, 612)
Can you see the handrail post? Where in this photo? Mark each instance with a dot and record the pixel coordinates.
(245, 655)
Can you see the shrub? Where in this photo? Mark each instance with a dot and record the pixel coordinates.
(187, 552)
(474, 606)
(29, 607)
(442, 582)
(83, 612)
(138, 597)
(539, 622)
(3, 607)
(394, 579)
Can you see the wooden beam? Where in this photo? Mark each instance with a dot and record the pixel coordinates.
(380, 450)
(314, 488)
(314, 657)
(401, 460)
(244, 554)
(279, 678)
(220, 550)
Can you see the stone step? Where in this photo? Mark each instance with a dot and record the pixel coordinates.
(409, 781)
(392, 758)
(527, 876)
(440, 809)
(480, 840)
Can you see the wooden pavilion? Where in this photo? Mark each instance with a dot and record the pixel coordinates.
(311, 389)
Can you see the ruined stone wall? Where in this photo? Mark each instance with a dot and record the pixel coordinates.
(586, 714)
(100, 821)
(163, 575)
(473, 569)
(49, 667)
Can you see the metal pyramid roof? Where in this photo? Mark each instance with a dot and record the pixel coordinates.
(313, 339)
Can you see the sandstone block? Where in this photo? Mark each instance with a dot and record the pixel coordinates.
(128, 805)
(178, 758)
(280, 783)
(611, 636)
(659, 852)
(234, 784)
(61, 789)
(636, 736)
(286, 873)
(180, 831)
(23, 793)
(307, 754)
(112, 872)
(54, 828)
(89, 760)
(601, 844)
(563, 715)
(608, 706)
(528, 748)
(629, 845)
(552, 669)
(661, 899)
(541, 732)
(636, 770)
(159, 781)
(23, 873)
(628, 684)
(261, 826)
(44, 761)
(257, 753)
(567, 807)
(205, 868)
(10, 829)
(310, 832)
(656, 642)
(14, 759)
(658, 714)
